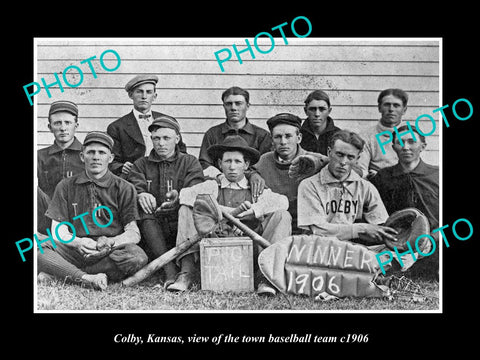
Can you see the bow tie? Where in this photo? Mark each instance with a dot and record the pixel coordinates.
(141, 116)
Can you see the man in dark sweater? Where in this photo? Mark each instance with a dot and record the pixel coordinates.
(411, 183)
(318, 128)
(157, 177)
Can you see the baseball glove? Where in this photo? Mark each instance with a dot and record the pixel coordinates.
(96, 257)
(410, 224)
(304, 166)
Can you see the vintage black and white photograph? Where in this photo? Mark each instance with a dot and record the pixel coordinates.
(269, 174)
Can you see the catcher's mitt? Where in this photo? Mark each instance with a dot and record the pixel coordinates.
(410, 224)
(304, 166)
(206, 214)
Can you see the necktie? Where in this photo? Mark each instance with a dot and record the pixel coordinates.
(142, 116)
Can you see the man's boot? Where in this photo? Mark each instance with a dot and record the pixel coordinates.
(185, 276)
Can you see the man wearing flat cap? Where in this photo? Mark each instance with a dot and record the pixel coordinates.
(274, 166)
(268, 216)
(130, 132)
(97, 254)
(158, 178)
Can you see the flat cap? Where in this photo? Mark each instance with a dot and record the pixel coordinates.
(284, 118)
(99, 137)
(141, 79)
(63, 105)
(164, 121)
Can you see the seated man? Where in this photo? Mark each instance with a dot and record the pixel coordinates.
(74, 200)
(268, 216)
(274, 166)
(331, 202)
(411, 182)
(163, 173)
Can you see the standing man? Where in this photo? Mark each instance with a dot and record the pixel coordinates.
(156, 176)
(96, 254)
(268, 216)
(236, 102)
(274, 166)
(392, 105)
(130, 132)
(318, 127)
(62, 159)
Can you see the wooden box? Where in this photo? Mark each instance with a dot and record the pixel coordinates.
(226, 264)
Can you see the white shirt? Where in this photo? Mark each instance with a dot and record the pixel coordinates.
(372, 155)
(267, 202)
(334, 205)
(144, 123)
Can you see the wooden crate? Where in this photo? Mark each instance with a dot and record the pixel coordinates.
(226, 264)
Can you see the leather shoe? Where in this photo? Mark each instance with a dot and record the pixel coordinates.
(265, 289)
(183, 282)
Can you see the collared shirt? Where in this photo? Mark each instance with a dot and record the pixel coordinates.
(323, 199)
(372, 156)
(255, 136)
(81, 194)
(144, 123)
(226, 184)
(418, 188)
(55, 164)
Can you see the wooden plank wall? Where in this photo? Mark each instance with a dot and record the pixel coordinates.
(352, 72)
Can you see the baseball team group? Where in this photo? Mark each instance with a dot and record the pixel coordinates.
(140, 169)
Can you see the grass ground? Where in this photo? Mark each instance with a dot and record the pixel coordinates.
(150, 295)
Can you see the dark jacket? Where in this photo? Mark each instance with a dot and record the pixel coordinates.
(184, 170)
(55, 164)
(128, 141)
(309, 140)
(418, 188)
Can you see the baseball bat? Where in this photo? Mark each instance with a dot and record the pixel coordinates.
(249, 232)
(173, 253)
(161, 261)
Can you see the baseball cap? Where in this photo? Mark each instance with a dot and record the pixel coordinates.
(63, 105)
(99, 137)
(284, 118)
(166, 122)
